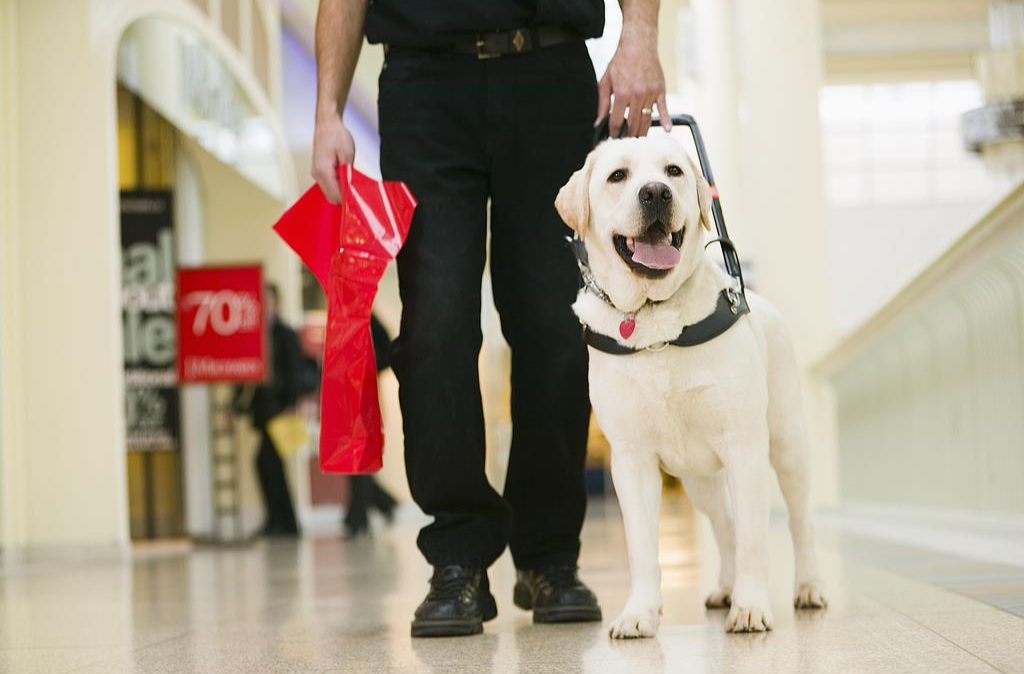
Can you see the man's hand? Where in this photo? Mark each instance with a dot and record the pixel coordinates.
(332, 147)
(634, 76)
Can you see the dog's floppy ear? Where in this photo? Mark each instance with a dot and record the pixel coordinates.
(573, 200)
(703, 194)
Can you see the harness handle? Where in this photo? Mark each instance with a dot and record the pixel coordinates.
(729, 254)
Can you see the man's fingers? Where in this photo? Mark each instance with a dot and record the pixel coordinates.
(332, 147)
(636, 100)
(632, 119)
(327, 179)
(330, 189)
(645, 119)
(615, 121)
(346, 154)
(636, 116)
(604, 98)
(664, 116)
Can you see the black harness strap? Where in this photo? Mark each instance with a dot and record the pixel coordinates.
(730, 306)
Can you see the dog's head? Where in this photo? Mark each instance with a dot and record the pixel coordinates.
(639, 205)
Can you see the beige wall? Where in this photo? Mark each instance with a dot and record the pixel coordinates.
(11, 526)
(62, 455)
(70, 342)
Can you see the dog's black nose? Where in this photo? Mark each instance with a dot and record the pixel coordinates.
(652, 191)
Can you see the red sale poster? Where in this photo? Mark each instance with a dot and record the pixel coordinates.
(221, 327)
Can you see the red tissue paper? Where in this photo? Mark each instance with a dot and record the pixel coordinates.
(347, 248)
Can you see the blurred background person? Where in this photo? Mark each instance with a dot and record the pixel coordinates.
(264, 402)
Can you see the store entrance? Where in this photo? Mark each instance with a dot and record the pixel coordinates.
(152, 400)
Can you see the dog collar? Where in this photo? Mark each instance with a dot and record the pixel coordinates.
(628, 323)
(731, 305)
(586, 275)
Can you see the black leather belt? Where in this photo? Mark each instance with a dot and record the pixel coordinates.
(494, 44)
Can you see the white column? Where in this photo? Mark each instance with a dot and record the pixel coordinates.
(780, 59)
(195, 399)
(716, 71)
(783, 183)
(11, 455)
(71, 389)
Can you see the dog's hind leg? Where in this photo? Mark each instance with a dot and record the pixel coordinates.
(789, 459)
(789, 452)
(710, 495)
(637, 481)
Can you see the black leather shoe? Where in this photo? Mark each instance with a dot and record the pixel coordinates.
(458, 604)
(555, 594)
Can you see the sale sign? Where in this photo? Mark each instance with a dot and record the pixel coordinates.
(147, 305)
(222, 334)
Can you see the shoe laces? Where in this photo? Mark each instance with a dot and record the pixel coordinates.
(448, 585)
(559, 576)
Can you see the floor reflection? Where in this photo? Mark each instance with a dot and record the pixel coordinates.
(327, 605)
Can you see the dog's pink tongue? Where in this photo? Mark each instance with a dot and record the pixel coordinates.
(661, 255)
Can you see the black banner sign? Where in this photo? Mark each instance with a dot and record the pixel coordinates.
(150, 333)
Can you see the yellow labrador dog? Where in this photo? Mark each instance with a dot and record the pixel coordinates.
(716, 414)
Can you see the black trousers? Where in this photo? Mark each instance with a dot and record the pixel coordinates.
(461, 132)
(276, 496)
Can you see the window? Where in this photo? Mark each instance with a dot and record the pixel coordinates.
(900, 144)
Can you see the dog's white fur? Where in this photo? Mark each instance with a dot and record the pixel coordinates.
(716, 415)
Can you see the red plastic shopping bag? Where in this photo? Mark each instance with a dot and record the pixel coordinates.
(347, 248)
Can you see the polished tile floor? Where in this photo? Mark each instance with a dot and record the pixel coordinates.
(324, 605)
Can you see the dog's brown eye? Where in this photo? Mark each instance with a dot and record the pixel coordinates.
(617, 176)
(674, 171)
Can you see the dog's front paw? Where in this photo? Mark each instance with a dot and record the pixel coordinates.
(635, 624)
(810, 595)
(720, 598)
(749, 619)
